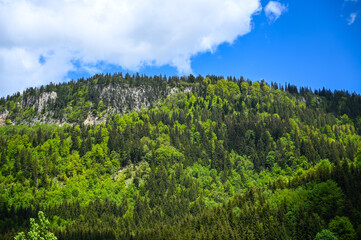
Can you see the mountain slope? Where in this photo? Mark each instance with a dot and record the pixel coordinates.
(228, 159)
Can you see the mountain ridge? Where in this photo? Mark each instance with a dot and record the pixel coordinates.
(120, 94)
(222, 159)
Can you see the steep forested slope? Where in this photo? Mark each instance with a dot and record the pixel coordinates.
(216, 159)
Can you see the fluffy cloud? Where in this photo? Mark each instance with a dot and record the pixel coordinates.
(21, 68)
(274, 10)
(352, 18)
(40, 39)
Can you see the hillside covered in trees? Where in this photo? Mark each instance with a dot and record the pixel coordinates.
(181, 158)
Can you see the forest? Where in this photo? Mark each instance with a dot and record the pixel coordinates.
(181, 158)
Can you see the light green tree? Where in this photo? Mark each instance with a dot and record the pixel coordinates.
(325, 235)
(37, 231)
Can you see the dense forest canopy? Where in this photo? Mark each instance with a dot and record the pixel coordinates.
(140, 157)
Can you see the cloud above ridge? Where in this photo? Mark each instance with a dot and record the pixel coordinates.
(352, 18)
(274, 10)
(41, 39)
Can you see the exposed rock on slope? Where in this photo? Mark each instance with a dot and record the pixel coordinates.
(3, 116)
(88, 102)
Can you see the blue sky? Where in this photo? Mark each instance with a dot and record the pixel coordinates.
(309, 45)
(306, 43)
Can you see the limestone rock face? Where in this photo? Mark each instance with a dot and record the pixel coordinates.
(39, 103)
(91, 120)
(98, 101)
(44, 99)
(3, 116)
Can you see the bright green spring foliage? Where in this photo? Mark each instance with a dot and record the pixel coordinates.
(38, 231)
(206, 159)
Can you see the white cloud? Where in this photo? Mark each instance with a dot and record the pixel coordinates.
(21, 68)
(127, 33)
(274, 10)
(352, 18)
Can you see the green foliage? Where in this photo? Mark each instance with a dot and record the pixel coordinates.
(325, 235)
(327, 199)
(38, 231)
(343, 228)
(219, 159)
